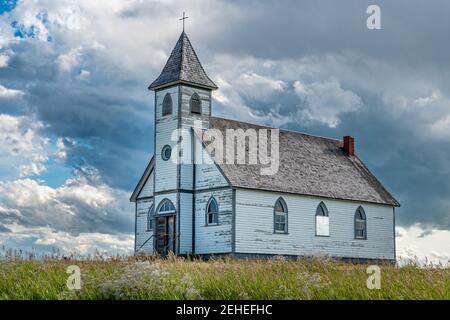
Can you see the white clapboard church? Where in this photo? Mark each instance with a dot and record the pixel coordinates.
(322, 200)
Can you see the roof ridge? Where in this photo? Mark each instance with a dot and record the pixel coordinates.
(183, 35)
(281, 129)
(373, 180)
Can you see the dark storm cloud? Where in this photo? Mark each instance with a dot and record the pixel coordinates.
(411, 30)
(104, 114)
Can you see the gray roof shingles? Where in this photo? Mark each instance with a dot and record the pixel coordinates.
(183, 66)
(309, 165)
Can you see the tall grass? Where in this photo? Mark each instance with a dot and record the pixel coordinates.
(179, 278)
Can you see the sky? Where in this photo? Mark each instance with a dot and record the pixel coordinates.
(76, 118)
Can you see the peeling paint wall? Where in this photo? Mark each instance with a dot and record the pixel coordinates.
(254, 227)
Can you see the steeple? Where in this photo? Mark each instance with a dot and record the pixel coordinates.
(183, 66)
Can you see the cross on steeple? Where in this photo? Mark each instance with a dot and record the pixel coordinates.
(184, 18)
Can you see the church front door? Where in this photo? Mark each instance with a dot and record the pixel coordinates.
(165, 235)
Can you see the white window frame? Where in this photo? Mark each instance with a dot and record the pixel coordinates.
(278, 214)
(362, 221)
(322, 221)
(208, 213)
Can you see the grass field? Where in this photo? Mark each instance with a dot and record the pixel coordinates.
(178, 278)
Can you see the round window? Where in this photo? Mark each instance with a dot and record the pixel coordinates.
(166, 152)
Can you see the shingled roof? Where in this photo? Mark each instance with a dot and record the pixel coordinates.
(309, 165)
(183, 66)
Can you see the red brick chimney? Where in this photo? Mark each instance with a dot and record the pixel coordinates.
(349, 145)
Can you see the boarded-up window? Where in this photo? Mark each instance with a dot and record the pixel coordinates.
(280, 217)
(167, 105)
(322, 220)
(212, 212)
(360, 224)
(196, 104)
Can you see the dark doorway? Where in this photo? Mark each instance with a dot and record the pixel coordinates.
(165, 235)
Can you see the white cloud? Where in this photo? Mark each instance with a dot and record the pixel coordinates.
(10, 93)
(441, 128)
(22, 148)
(31, 239)
(116, 25)
(428, 100)
(322, 98)
(84, 75)
(32, 169)
(71, 59)
(61, 152)
(423, 245)
(326, 101)
(81, 205)
(4, 59)
(258, 86)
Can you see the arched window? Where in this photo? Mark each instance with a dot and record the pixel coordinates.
(167, 105)
(280, 219)
(212, 212)
(150, 218)
(322, 220)
(196, 104)
(166, 207)
(360, 224)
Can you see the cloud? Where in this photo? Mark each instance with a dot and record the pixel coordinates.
(423, 245)
(44, 239)
(71, 59)
(31, 169)
(82, 204)
(22, 149)
(6, 93)
(4, 60)
(258, 86)
(84, 75)
(326, 101)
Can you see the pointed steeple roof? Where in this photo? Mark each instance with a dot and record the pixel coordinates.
(183, 66)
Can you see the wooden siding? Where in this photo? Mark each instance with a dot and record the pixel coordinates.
(189, 120)
(185, 217)
(142, 234)
(254, 227)
(207, 175)
(165, 171)
(214, 238)
(147, 189)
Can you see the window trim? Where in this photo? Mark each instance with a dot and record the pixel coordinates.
(150, 217)
(195, 94)
(327, 214)
(286, 215)
(163, 155)
(360, 209)
(167, 96)
(211, 199)
(161, 203)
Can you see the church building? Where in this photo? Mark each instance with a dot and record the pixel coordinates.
(322, 200)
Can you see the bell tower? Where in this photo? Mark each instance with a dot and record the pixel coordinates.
(182, 101)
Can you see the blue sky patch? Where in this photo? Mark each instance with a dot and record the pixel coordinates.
(7, 5)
